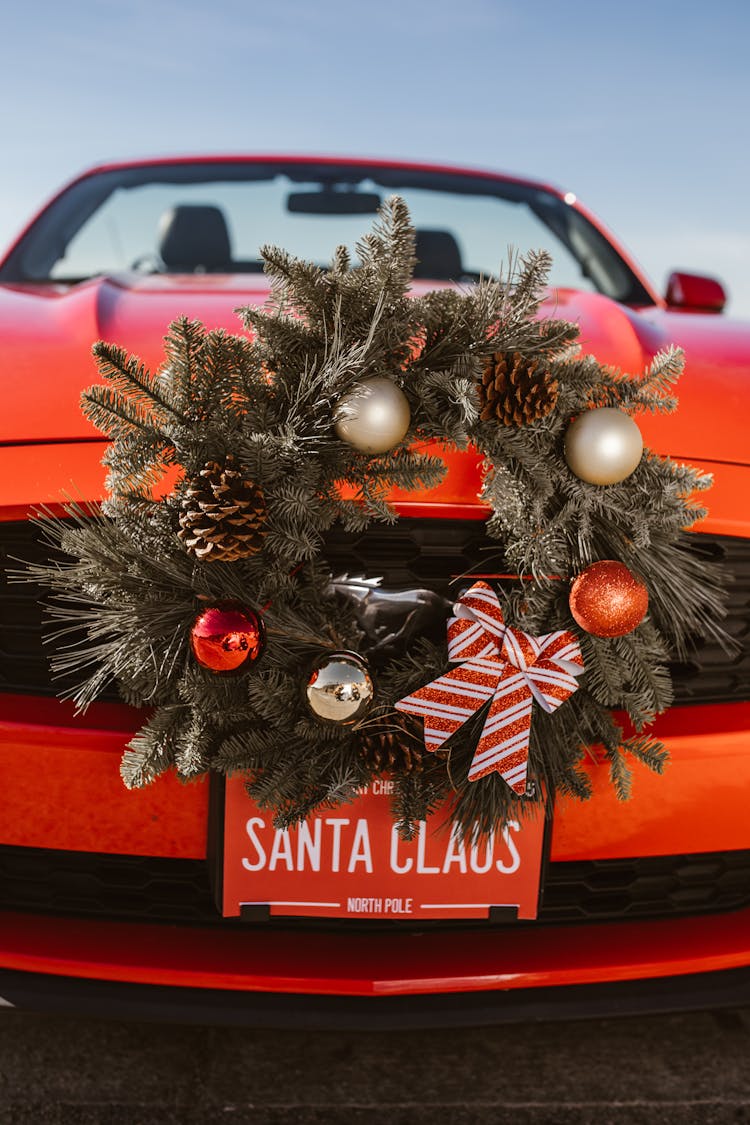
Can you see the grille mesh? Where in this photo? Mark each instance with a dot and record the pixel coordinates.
(414, 552)
(139, 888)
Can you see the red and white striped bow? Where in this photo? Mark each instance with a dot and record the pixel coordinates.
(502, 664)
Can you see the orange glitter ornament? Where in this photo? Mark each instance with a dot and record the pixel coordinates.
(607, 600)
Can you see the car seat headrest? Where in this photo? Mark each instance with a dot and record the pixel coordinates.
(438, 256)
(194, 236)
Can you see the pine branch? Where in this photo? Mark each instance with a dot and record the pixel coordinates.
(648, 750)
(183, 376)
(153, 749)
(620, 774)
(116, 416)
(128, 376)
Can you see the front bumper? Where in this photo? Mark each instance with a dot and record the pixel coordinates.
(61, 790)
(73, 995)
(341, 962)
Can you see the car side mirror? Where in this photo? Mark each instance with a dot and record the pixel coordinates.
(695, 293)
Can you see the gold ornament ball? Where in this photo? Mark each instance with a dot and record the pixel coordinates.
(340, 688)
(374, 416)
(607, 600)
(603, 446)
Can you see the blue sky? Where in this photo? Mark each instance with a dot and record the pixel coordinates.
(641, 108)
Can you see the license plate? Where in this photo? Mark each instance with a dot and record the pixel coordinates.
(350, 863)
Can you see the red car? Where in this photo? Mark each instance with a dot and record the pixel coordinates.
(107, 896)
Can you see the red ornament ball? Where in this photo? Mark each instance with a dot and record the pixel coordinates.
(607, 600)
(226, 636)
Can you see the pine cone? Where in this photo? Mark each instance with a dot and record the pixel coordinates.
(223, 516)
(514, 392)
(392, 743)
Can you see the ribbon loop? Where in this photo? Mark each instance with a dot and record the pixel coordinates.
(505, 665)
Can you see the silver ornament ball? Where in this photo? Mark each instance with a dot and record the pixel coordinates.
(340, 688)
(603, 446)
(374, 416)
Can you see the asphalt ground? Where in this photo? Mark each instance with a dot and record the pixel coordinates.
(685, 1069)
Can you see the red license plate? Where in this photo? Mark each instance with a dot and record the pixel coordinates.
(350, 863)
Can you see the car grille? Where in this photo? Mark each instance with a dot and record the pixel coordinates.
(147, 889)
(413, 553)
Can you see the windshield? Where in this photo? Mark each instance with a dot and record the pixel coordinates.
(197, 218)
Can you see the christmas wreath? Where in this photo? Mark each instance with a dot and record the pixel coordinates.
(201, 584)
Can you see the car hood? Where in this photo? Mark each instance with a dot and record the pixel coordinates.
(46, 333)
